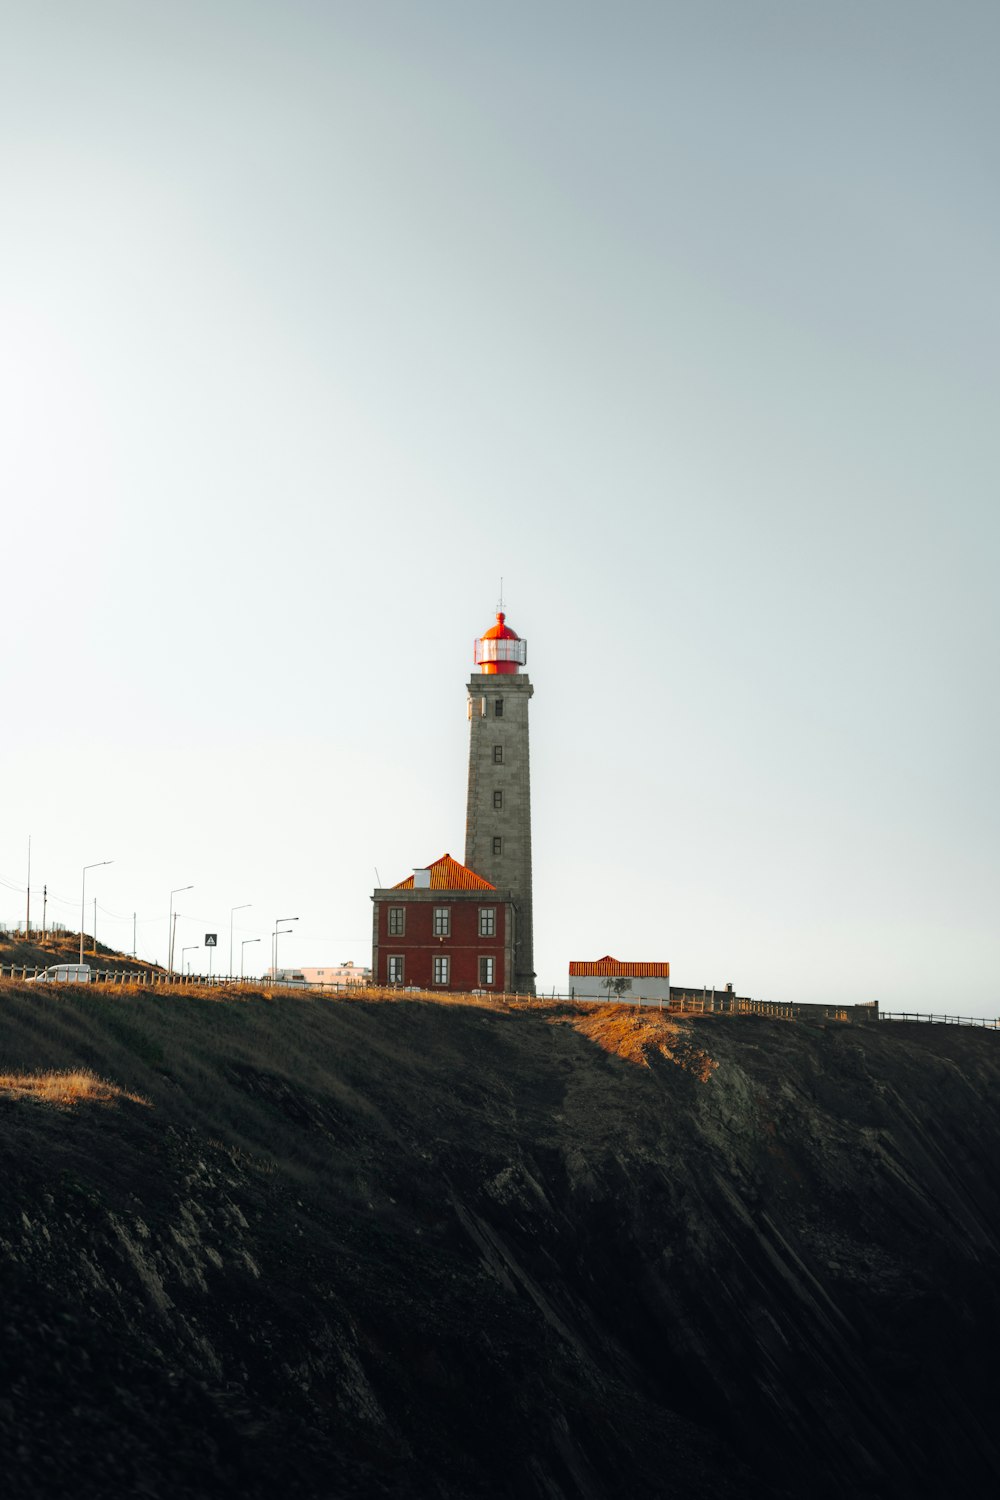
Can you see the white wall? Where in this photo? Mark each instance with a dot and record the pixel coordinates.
(337, 974)
(594, 987)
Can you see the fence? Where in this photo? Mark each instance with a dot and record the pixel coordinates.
(912, 1015)
(710, 1002)
(157, 979)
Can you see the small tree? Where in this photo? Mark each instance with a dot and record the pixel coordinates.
(617, 986)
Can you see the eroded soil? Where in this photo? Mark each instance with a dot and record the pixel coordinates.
(312, 1248)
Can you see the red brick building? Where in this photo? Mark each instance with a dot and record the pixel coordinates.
(443, 928)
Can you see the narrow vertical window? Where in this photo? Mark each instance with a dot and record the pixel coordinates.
(498, 799)
(498, 846)
(397, 921)
(395, 968)
(498, 755)
(442, 921)
(498, 708)
(485, 971)
(487, 921)
(440, 969)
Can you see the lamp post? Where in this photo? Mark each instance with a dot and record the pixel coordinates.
(242, 946)
(83, 895)
(278, 932)
(232, 909)
(189, 949)
(274, 947)
(170, 926)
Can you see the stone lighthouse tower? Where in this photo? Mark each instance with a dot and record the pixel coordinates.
(498, 816)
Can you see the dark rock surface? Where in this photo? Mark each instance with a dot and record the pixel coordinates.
(405, 1249)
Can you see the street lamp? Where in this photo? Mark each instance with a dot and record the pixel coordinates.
(232, 909)
(278, 932)
(83, 894)
(189, 949)
(170, 926)
(274, 946)
(242, 946)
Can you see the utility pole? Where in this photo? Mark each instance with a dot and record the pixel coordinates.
(172, 926)
(95, 926)
(133, 934)
(27, 915)
(45, 909)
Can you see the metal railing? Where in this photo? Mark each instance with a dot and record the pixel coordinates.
(939, 1020)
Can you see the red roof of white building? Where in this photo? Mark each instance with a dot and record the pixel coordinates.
(608, 967)
(448, 875)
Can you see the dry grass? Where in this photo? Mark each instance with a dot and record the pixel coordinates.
(77, 1086)
(633, 1036)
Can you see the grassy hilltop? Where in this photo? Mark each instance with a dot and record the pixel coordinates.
(36, 952)
(281, 1244)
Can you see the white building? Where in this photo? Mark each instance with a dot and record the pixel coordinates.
(341, 975)
(609, 978)
(345, 973)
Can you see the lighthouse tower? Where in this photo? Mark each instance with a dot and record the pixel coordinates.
(498, 815)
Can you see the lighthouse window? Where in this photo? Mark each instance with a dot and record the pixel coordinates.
(498, 708)
(442, 921)
(395, 968)
(487, 921)
(440, 969)
(397, 921)
(498, 755)
(498, 799)
(498, 846)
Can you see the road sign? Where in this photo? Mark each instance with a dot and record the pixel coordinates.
(211, 939)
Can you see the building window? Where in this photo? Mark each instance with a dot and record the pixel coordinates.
(498, 846)
(440, 968)
(485, 971)
(395, 968)
(487, 921)
(498, 755)
(498, 799)
(442, 921)
(397, 921)
(498, 708)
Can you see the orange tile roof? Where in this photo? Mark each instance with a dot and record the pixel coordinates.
(613, 968)
(448, 875)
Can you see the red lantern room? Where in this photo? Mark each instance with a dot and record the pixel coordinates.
(500, 651)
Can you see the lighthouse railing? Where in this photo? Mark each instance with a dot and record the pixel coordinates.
(492, 650)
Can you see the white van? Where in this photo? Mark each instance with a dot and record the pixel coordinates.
(63, 974)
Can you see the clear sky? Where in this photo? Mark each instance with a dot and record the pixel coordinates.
(317, 318)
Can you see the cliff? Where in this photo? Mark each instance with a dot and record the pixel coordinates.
(314, 1248)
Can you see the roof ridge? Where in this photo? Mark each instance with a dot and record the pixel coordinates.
(448, 874)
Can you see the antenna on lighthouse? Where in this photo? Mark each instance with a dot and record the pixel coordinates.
(500, 600)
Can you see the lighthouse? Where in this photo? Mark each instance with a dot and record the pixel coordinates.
(498, 813)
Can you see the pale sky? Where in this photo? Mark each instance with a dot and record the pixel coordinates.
(317, 318)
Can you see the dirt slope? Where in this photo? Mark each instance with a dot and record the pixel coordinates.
(410, 1249)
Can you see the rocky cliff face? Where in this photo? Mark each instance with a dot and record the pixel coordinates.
(407, 1249)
